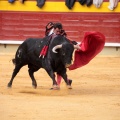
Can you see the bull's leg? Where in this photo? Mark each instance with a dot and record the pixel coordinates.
(67, 81)
(64, 76)
(16, 70)
(31, 74)
(52, 75)
(31, 71)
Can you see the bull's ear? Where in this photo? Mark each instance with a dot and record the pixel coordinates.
(56, 47)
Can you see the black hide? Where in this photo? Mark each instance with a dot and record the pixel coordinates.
(28, 54)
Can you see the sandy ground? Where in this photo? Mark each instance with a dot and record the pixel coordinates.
(95, 94)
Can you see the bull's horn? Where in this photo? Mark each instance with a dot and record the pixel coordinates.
(77, 47)
(56, 47)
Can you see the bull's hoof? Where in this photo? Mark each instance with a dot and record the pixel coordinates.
(55, 87)
(70, 82)
(9, 85)
(34, 86)
(69, 86)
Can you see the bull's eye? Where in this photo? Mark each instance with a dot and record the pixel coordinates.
(63, 54)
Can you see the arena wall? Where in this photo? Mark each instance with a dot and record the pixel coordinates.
(21, 21)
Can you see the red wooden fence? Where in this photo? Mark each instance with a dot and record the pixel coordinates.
(22, 25)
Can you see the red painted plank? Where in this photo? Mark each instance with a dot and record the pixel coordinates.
(22, 25)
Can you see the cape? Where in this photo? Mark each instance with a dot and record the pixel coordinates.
(91, 45)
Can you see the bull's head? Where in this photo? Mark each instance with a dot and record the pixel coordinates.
(65, 53)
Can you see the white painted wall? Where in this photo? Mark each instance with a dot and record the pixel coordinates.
(107, 51)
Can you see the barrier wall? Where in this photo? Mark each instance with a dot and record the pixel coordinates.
(20, 21)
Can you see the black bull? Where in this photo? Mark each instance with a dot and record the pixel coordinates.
(57, 59)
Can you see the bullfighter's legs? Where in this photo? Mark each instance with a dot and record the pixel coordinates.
(59, 78)
(16, 70)
(31, 71)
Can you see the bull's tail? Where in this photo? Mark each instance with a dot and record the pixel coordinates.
(18, 56)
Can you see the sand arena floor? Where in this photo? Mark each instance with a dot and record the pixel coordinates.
(95, 94)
